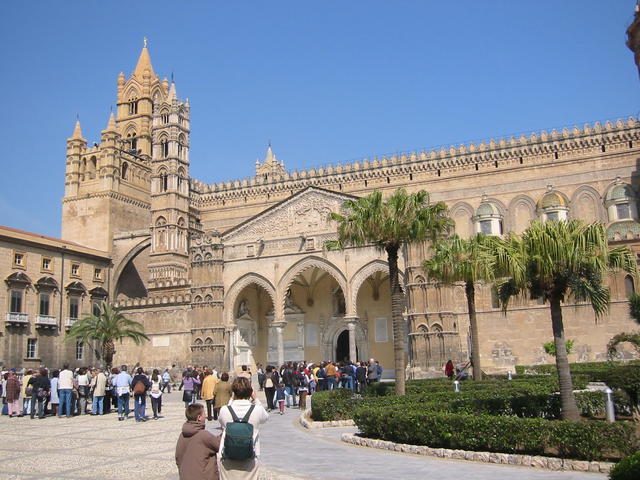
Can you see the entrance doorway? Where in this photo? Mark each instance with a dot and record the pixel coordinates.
(342, 347)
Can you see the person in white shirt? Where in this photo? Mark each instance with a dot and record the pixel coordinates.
(65, 387)
(244, 397)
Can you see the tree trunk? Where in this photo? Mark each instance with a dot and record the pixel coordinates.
(567, 398)
(473, 325)
(397, 306)
(108, 350)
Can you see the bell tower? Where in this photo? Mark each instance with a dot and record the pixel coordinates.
(170, 220)
(108, 185)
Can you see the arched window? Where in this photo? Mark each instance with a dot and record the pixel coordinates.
(629, 286)
(488, 219)
(180, 145)
(125, 170)
(164, 117)
(552, 206)
(165, 147)
(164, 180)
(133, 106)
(621, 203)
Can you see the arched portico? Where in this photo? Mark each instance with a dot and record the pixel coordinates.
(300, 267)
(247, 307)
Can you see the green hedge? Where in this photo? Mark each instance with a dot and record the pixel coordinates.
(578, 440)
(335, 404)
(627, 469)
(593, 371)
(528, 401)
(489, 383)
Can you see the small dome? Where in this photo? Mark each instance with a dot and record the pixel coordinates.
(485, 209)
(552, 200)
(620, 192)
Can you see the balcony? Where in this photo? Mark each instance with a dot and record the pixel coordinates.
(47, 321)
(17, 319)
(68, 323)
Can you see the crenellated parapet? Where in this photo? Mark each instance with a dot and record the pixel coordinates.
(537, 148)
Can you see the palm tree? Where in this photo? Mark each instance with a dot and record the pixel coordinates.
(389, 224)
(107, 327)
(470, 261)
(556, 260)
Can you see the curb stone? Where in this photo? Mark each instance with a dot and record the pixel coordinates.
(548, 463)
(306, 421)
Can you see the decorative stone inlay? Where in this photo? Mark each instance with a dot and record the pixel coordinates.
(549, 463)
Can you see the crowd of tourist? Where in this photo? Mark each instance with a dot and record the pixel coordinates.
(94, 391)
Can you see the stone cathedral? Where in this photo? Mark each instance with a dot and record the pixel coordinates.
(235, 272)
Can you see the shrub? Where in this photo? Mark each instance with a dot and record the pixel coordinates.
(627, 469)
(627, 379)
(579, 440)
(333, 404)
(550, 347)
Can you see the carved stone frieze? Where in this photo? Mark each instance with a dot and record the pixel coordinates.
(303, 215)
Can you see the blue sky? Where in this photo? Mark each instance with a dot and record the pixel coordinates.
(326, 82)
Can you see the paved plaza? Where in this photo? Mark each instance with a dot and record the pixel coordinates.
(100, 447)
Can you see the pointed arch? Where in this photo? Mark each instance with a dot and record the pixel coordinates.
(131, 93)
(299, 267)
(238, 286)
(134, 252)
(361, 276)
(587, 204)
(461, 213)
(522, 210)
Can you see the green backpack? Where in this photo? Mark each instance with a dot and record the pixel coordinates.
(238, 439)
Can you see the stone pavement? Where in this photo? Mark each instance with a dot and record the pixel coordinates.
(89, 447)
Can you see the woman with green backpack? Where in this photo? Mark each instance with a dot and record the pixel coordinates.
(240, 444)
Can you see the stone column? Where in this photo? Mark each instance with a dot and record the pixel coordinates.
(351, 327)
(279, 328)
(229, 348)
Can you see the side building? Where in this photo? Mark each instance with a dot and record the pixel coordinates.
(49, 284)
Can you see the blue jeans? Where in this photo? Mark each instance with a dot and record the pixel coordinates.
(331, 383)
(123, 405)
(289, 392)
(65, 397)
(97, 406)
(140, 404)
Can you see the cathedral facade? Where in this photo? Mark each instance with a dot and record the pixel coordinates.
(235, 272)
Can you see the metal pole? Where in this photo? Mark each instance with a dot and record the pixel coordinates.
(456, 386)
(611, 412)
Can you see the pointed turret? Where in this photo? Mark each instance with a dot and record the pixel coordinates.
(144, 62)
(77, 132)
(269, 157)
(271, 166)
(111, 125)
(172, 93)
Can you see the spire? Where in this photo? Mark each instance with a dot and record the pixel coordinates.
(269, 157)
(172, 92)
(77, 132)
(144, 62)
(111, 126)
